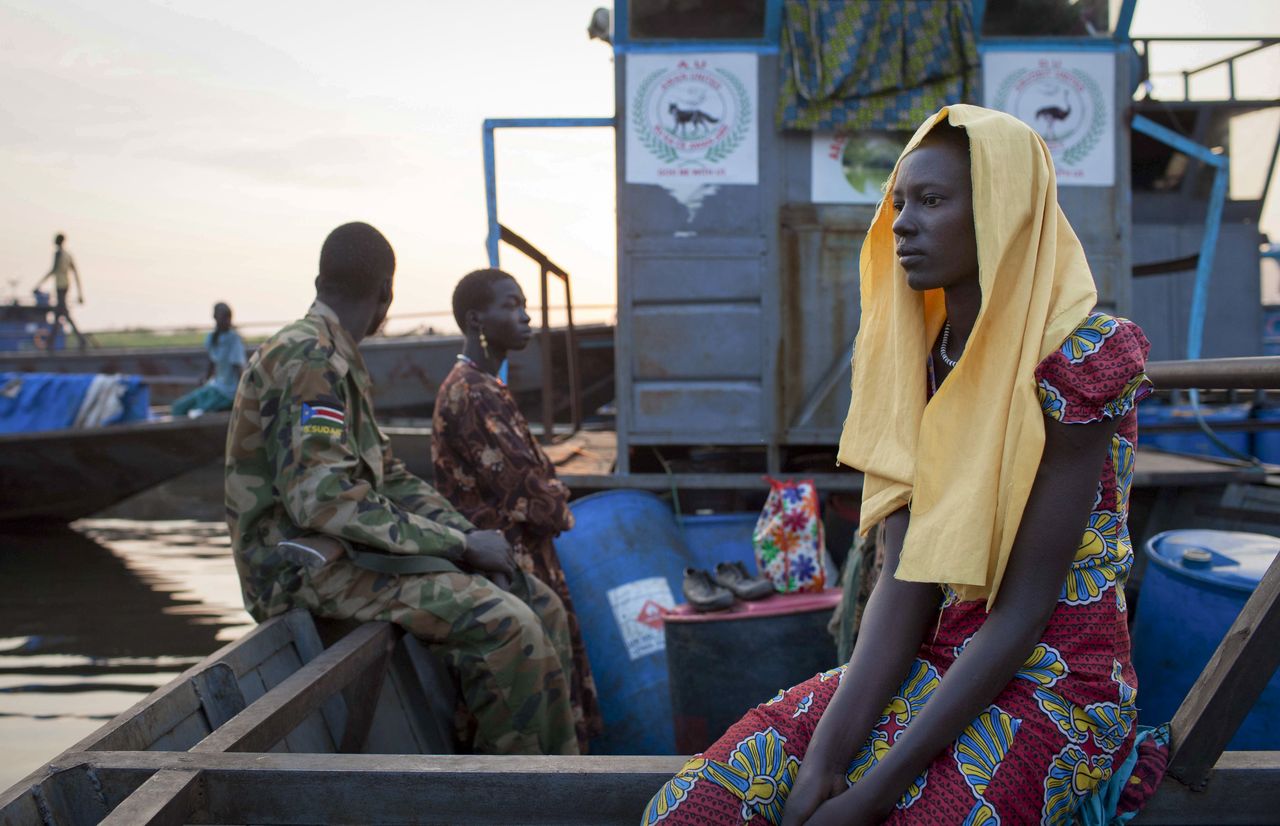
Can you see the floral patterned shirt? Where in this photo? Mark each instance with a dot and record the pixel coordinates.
(488, 464)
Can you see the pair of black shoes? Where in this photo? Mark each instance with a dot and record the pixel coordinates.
(707, 592)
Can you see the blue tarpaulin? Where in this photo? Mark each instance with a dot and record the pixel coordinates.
(51, 401)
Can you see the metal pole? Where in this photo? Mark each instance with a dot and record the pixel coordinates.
(491, 193)
(571, 362)
(1209, 244)
(1212, 221)
(1251, 373)
(548, 384)
(1124, 20)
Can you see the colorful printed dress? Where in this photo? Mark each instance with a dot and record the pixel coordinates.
(489, 466)
(1060, 727)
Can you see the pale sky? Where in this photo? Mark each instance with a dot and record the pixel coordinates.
(199, 150)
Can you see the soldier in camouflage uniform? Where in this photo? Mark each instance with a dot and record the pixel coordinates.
(305, 455)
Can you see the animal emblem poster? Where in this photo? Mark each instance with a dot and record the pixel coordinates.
(692, 118)
(1067, 97)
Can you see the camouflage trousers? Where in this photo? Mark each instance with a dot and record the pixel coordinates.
(511, 650)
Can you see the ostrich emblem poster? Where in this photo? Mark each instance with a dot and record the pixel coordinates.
(692, 119)
(1069, 98)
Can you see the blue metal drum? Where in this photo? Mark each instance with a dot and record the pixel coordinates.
(1195, 585)
(623, 561)
(720, 537)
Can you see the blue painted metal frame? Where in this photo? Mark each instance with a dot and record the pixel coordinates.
(1212, 221)
(1050, 44)
(768, 44)
(489, 126)
(1124, 20)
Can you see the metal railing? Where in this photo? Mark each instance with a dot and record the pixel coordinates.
(548, 268)
(1259, 44)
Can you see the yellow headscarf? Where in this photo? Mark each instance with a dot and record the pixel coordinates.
(965, 462)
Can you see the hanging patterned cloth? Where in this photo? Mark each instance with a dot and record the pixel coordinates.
(874, 64)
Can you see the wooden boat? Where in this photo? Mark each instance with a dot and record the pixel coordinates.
(66, 474)
(278, 729)
(406, 370)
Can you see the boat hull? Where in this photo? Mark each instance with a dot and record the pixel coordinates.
(64, 475)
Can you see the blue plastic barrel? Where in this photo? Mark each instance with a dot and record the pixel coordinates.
(623, 562)
(1266, 443)
(1271, 330)
(1193, 441)
(1194, 587)
(720, 537)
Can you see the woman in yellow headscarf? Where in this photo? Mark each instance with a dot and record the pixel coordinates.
(993, 416)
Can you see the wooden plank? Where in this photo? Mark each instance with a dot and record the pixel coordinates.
(425, 699)
(362, 699)
(306, 638)
(158, 713)
(431, 679)
(252, 687)
(146, 722)
(1229, 686)
(395, 728)
(184, 735)
(219, 693)
(310, 735)
(282, 708)
(258, 645)
(464, 789)
(1241, 790)
(73, 796)
(167, 799)
(20, 809)
(161, 711)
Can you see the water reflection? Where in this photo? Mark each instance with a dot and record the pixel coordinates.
(92, 619)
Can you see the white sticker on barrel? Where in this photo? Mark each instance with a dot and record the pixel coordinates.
(637, 608)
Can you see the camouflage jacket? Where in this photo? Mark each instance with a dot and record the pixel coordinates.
(305, 455)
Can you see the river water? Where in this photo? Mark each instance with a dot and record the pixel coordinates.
(95, 616)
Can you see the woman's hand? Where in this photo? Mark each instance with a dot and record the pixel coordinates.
(857, 806)
(812, 789)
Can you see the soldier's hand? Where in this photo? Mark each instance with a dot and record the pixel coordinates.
(489, 551)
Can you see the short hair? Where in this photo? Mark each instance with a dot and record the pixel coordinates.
(354, 260)
(59, 238)
(475, 292)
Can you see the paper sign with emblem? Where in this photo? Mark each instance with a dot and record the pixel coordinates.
(1067, 97)
(851, 169)
(692, 118)
(637, 609)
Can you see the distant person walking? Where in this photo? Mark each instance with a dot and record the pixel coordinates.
(64, 266)
(226, 361)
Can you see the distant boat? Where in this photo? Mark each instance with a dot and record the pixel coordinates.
(406, 370)
(63, 475)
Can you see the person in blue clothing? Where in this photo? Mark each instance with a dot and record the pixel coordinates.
(226, 360)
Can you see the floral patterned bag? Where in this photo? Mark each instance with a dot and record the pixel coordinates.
(788, 537)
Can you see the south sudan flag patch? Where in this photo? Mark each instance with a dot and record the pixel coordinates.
(322, 419)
